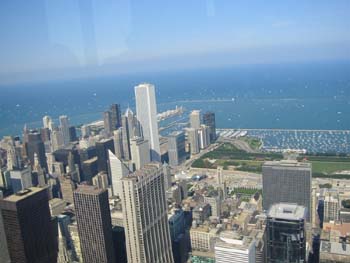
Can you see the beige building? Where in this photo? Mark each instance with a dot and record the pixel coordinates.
(146, 217)
(195, 119)
(331, 207)
(203, 238)
(140, 153)
(57, 206)
(73, 231)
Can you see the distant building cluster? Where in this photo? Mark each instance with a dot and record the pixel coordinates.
(116, 191)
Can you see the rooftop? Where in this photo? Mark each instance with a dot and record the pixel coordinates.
(88, 189)
(231, 239)
(335, 248)
(23, 194)
(148, 169)
(288, 163)
(93, 159)
(56, 201)
(175, 133)
(287, 211)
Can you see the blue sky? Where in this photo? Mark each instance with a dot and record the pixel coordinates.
(47, 38)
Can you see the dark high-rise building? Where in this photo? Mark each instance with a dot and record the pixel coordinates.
(90, 169)
(116, 116)
(94, 224)
(126, 138)
(285, 229)
(29, 230)
(209, 120)
(119, 244)
(176, 148)
(62, 156)
(107, 122)
(34, 144)
(287, 182)
(180, 238)
(45, 134)
(102, 148)
(86, 154)
(72, 134)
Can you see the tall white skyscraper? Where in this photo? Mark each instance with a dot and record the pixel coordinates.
(118, 171)
(46, 122)
(146, 111)
(204, 136)
(146, 217)
(64, 127)
(195, 119)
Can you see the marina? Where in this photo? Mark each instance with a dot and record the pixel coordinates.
(280, 140)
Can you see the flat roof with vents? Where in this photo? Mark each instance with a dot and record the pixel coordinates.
(287, 211)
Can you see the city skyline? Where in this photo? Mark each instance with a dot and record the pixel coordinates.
(219, 197)
(199, 131)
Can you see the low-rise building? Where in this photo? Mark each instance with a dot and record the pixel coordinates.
(231, 245)
(334, 252)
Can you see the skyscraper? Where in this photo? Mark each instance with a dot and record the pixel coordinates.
(94, 224)
(12, 158)
(46, 122)
(193, 139)
(118, 143)
(102, 148)
(126, 138)
(118, 171)
(146, 111)
(72, 134)
(107, 122)
(140, 153)
(204, 136)
(64, 127)
(285, 228)
(146, 217)
(133, 126)
(28, 226)
(21, 179)
(90, 169)
(179, 236)
(287, 182)
(116, 116)
(100, 180)
(209, 120)
(195, 119)
(4, 254)
(57, 141)
(34, 144)
(176, 148)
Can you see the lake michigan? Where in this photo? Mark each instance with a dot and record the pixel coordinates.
(284, 96)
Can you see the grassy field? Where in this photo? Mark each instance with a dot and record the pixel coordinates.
(254, 143)
(228, 155)
(329, 167)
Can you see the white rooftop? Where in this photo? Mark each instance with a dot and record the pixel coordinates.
(287, 211)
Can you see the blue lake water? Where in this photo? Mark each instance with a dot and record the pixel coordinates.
(286, 96)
